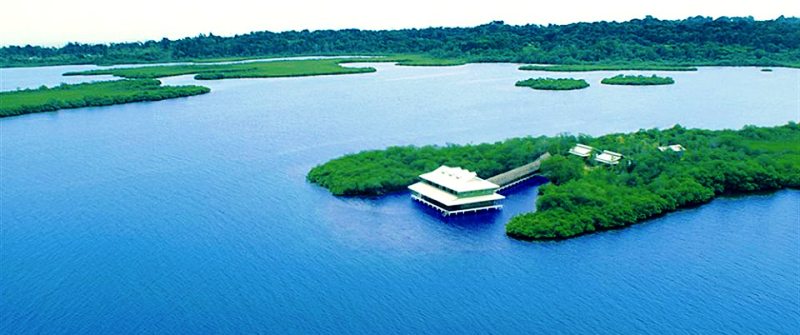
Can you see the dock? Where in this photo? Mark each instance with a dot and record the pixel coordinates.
(520, 174)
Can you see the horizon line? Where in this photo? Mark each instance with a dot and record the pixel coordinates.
(202, 34)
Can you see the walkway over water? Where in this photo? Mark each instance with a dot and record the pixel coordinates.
(519, 174)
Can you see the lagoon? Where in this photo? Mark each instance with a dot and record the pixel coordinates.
(193, 215)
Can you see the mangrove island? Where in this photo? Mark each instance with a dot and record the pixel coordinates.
(656, 172)
(637, 80)
(551, 84)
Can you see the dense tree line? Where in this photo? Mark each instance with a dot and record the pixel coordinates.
(696, 40)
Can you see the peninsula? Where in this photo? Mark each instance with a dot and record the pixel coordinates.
(102, 93)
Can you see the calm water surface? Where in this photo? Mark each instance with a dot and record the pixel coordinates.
(193, 215)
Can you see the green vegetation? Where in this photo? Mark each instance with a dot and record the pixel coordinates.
(104, 93)
(586, 196)
(637, 80)
(649, 182)
(560, 169)
(559, 84)
(766, 70)
(606, 67)
(695, 41)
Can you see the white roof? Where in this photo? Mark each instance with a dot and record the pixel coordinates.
(449, 199)
(609, 157)
(674, 147)
(613, 154)
(457, 179)
(581, 150)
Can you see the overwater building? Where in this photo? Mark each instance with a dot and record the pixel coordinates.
(453, 190)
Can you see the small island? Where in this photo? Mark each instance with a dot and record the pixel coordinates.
(551, 84)
(650, 173)
(103, 93)
(766, 70)
(639, 80)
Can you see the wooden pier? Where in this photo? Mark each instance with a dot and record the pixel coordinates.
(520, 174)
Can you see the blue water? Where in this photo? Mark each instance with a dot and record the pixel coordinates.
(193, 215)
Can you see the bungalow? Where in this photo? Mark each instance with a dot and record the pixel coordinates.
(609, 157)
(581, 150)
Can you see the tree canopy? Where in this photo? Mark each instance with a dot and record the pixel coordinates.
(696, 40)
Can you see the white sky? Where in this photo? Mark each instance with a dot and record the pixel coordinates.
(55, 22)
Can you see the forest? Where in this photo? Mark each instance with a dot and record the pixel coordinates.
(585, 196)
(695, 41)
(102, 93)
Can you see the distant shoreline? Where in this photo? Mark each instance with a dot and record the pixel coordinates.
(694, 41)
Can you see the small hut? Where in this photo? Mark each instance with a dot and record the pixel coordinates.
(609, 157)
(581, 150)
